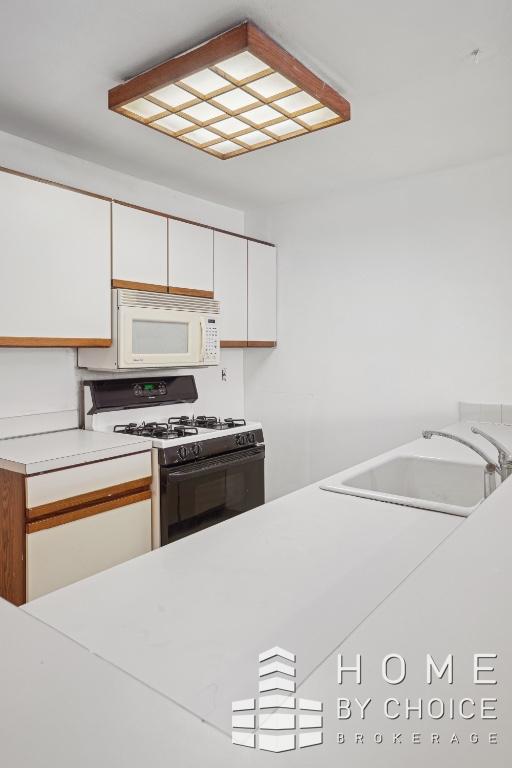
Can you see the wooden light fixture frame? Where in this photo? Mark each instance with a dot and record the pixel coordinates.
(244, 37)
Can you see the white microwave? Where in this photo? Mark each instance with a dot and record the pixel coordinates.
(157, 330)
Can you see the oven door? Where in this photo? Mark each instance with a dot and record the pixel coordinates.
(206, 492)
(156, 338)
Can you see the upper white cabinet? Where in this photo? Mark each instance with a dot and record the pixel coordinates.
(139, 248)
(190, 259)
(230, 287)
(54, 265)
(261, 295)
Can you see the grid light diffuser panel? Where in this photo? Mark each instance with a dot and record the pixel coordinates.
(234, 94)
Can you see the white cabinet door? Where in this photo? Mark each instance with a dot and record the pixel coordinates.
(72, 551)
(261, 294)
(190, 258)
(54, 265)
(230, 286)
(139, 247)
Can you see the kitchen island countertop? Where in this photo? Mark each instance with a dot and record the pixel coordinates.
(302, 571)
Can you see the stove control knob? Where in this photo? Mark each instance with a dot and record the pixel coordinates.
(252, 437)
(182, 452)
(196, 450)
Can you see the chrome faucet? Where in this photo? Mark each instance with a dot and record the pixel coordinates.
(504, 453)
(491, 468)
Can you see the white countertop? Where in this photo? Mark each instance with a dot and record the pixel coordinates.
(312, 571)
(56, 450)
(243, 582)
(63, 707)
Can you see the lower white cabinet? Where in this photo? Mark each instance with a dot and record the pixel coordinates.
(65, 553)
(261, 295)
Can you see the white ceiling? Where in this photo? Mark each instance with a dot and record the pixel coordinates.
(419, 102)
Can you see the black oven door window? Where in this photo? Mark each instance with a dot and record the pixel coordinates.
(200, 494)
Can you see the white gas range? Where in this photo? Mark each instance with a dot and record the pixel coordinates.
(205, 469)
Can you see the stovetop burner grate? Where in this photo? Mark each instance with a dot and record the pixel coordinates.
(161, 430)
(207, 422)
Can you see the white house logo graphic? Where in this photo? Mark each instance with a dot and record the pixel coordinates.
(272, 723)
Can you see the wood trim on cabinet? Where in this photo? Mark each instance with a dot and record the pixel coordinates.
(86, 499)
(130, 205)
(233, 344)
(134, 286)
(12, 537)
(44, 341)
(262, 343)
(191, 292)
(30, 177)
(141, 208)
(87, 511)
(171, 217)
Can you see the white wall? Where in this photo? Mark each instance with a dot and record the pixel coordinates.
(37, 381)
(394, 304)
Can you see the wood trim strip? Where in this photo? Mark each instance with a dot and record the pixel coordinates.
(209, 53)
(131, 205)
(54, 183)
(134, 286)
(233, 344)
(262, 343)
(89, 511)
(171, 217)
(43, 341)
(141, 208)
(86, 499)
(12, 537)
(191, 292)
(262, 46)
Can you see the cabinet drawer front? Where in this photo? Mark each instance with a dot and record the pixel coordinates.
(66, 553)
(56, 491)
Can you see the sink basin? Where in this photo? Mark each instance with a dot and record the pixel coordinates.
(435, 484)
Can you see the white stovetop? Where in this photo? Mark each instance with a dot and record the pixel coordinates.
(106, 421)
(56, 450)
(206, 434)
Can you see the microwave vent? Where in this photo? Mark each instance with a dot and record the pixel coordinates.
(127, 298)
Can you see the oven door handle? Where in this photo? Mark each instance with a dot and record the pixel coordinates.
(238, 458)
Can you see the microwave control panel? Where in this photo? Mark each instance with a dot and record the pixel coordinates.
(211, 340)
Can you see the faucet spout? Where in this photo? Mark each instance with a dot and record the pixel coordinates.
(428, 433)
(504, 453)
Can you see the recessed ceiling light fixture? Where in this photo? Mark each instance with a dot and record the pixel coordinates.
(237, 92)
